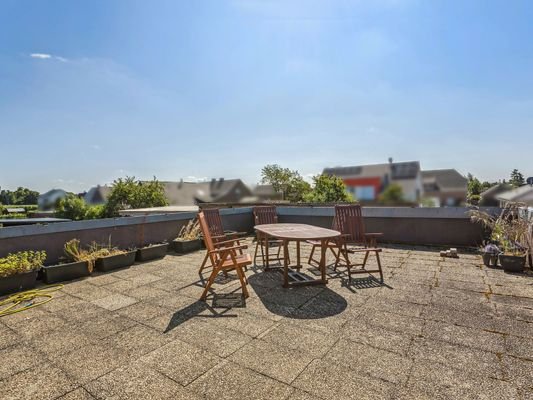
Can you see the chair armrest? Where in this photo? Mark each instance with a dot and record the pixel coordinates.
(226, 242)
(229, 249)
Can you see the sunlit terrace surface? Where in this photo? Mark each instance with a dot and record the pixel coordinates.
(438, 328)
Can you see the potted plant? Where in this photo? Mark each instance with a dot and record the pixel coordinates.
(18, 271)
(510, 231)
(490, 254)
(109, 257)
(151, 252)
(79, 263)
(188, 239)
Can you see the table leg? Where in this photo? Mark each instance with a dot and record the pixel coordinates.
(298, 264)
(323, 248)
(267, 241)
(286, 263)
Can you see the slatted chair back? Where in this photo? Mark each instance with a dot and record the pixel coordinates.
(214, 222)
(348, 221)
(265, 215)
(209, 244)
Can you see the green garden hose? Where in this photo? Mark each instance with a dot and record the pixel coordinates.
(25, 300)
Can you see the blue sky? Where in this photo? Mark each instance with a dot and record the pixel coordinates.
(94, 90)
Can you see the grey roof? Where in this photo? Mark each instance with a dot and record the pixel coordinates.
(520, 194)
(264, 190)
(398, 170)
(444, 179)
(496, 189)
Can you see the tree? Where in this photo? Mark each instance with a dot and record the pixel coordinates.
(21, 196)
(393, 194)
(328, 189)
(289, 183)
(74, 208)
(128, 193)
(517, 179)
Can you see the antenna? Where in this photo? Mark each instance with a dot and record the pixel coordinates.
(529, 180)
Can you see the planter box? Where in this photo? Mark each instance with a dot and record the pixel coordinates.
(66, 272)
(114, 262)
(18, 282)
(186, 246)
(151, 252)
(490, 260)
(513, 263)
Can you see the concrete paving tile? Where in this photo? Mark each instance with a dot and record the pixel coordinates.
(42, 382)
(24, 316)
(90, 362)
(515, 301)
(62, 340)
(395, 306)
(77, 394)
(81, 311)
(480, 320)
(246, 323)
(60, 303)
(38, 326)
(519, 347)
(136, 341)
(329, 380)
(440, 381)
(280, 363)
(367, 360)
(148, 292)
(471, 286)
(298, 394)
(361, 332)
(181, 361)
(18, 358)
(90, 292)
(211, 337)
(104, 325)
(395, 322)
(137, 381)
(470, 361)
(114, 302)
(309, 341)
(228, 381)
(520, 313)
(475, 338)
(513, 327)
(8, 337)
(142, 312)
(519, 372)
(103, 279)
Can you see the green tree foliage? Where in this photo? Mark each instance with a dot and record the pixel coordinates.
(393, 194)
(474, 188)
(517, 179)
(129, 193)
(19, 197)
(328, 189)
(289, 183)
(74, 208)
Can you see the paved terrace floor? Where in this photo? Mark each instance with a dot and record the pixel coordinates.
(440, 328)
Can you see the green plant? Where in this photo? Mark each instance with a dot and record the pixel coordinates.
(191, 231)
(510, 229)
(393, 194)
(21, 262)
(129, 193)
(328, 189)
(75, 253)
(74, 208)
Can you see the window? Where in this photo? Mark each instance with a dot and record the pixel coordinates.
(365, 193)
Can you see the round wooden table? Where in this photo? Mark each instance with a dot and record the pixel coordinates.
(297, 233)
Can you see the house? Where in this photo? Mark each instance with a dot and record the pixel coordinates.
(48, 200)
(366, 182)
(446, 187)
(97, 195)
(266, 193)
(489, 198)
(188, 193)
(522, 194)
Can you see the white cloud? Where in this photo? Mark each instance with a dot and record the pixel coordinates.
(45, 56)
(42, 56)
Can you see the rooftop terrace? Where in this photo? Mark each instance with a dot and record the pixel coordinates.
(438, 328)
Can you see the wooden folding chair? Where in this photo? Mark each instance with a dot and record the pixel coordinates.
(218, 234)
(266, 215)
(348, 221)
(224, 257)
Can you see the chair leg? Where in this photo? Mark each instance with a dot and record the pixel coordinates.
(209, 282)
(365, 260)
(242, 278)
(256, 248)
(311, 255)
(379, 266)
(204, 263)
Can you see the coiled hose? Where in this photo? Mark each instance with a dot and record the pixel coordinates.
(25, 300)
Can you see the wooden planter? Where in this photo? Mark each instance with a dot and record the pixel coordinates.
(151, 252)
(66, 272)
(512, 263)
(18, 282)
(186, 246)
(113, 262)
